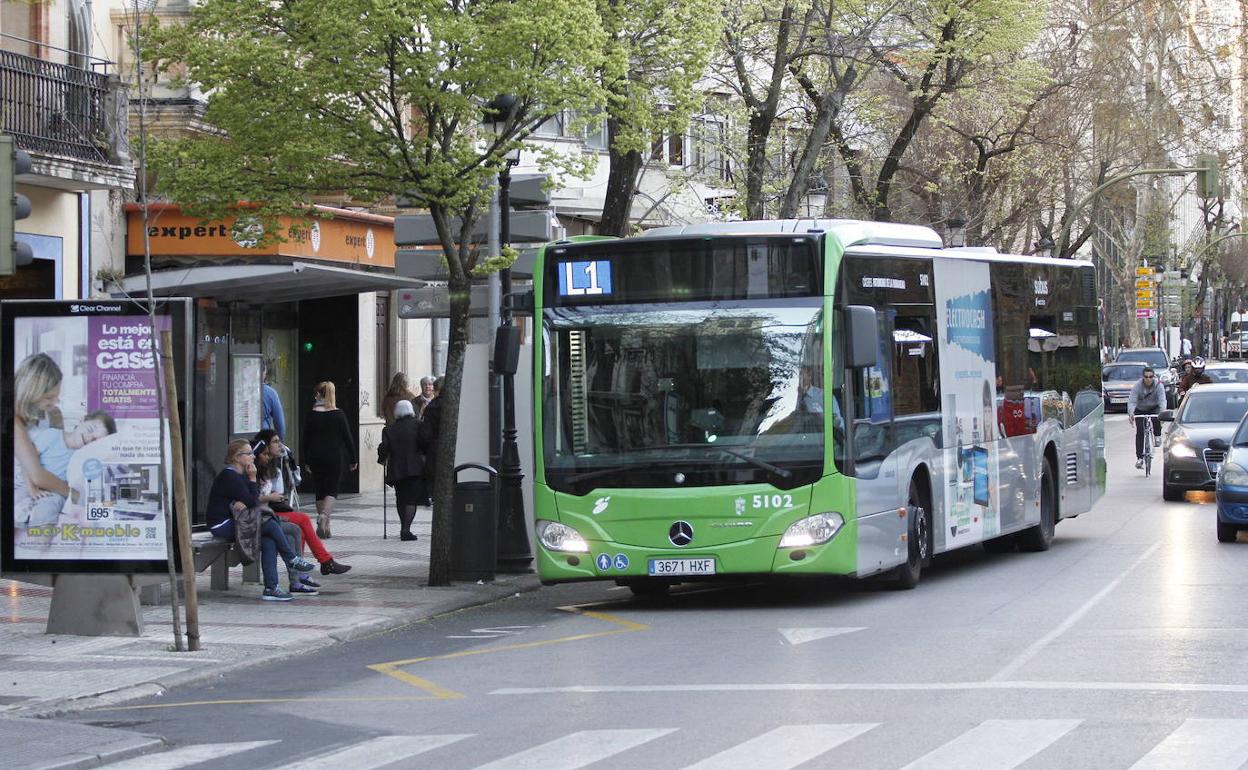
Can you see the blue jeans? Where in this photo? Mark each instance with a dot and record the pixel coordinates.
(272, 542)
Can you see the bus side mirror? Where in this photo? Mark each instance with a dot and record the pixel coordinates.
(862, 338)
(507, 349)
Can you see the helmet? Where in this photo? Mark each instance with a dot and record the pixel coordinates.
(1198, 364)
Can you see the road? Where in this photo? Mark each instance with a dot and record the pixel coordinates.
(1123, 646)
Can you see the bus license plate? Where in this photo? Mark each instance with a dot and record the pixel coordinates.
(682, 566)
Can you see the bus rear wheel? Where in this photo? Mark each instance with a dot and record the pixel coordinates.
(918, 539)
(1040, 537)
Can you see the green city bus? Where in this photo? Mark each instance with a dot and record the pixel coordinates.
(805, 397)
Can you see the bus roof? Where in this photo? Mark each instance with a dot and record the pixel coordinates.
(975, 253)
(849, 232)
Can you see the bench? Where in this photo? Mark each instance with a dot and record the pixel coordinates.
(218, 556)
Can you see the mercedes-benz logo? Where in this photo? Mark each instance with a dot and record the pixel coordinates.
(681, 534)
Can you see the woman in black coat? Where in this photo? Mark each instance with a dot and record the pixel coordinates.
(405, 465)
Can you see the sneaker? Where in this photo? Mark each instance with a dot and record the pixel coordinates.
(300, 564)
(303, 589)
(275, 594)
(332, 567)
(308, 581)
(1139, 462)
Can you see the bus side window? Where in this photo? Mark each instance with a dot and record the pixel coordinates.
(873, 405)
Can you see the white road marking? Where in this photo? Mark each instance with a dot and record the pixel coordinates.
(491, 633)
(1038, 645)
(185, 756)
(796, 636)
(998, 744)
(378, 752)
(783, 748)
(1210, 744)
(576, 750)
(870, 686)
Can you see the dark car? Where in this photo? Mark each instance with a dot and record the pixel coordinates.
(1233, 484)
(1116, 382)
(1209, 412)
(1156, 358)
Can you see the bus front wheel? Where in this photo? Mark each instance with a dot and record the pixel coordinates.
(648, 589)
(918, 539)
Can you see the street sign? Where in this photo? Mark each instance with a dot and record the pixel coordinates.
(1143, 271)
(1143, 293)
(1144, 283)
(1142, 313)
(1144, 303)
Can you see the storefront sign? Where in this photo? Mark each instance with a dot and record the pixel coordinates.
(345, 236)
(82, 404)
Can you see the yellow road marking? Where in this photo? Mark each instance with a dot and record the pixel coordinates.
(245, 701)
(393, 667)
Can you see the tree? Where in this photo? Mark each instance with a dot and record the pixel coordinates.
(369, 99)
(656, 51)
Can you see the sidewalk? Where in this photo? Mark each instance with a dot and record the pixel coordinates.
(42, 675)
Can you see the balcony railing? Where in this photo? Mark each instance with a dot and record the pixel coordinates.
(55, 109)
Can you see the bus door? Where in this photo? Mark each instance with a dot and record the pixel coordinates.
(873, 436)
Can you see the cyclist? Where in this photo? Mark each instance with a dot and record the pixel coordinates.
(1193, 374)
(1148, 396)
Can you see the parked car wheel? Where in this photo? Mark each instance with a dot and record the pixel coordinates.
(1171, 493)
(1227, 533)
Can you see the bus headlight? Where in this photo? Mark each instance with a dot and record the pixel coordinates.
(812, 530)
(560, 537)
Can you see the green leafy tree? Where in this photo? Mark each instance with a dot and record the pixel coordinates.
(656, 51)
(370, 98)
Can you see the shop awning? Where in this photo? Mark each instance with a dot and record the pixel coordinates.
(265, 283)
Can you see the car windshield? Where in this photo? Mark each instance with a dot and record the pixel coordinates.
(1150, 356)
(632, 388)
(1228, 374)
(1241, 435)
(1217, 406)
(1117, 372)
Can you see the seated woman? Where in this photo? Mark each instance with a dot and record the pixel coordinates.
(234, 490)
(273, 475)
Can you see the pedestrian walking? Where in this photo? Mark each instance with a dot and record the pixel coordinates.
(405, 465)
(272, 417)
(327, 441)
(398, 391)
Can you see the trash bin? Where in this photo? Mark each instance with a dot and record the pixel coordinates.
(474, 529)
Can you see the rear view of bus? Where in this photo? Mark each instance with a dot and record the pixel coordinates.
(692, 390)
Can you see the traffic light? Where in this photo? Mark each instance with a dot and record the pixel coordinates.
(1208, 182)
(13, 206)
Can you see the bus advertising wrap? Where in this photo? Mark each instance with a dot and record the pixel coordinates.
(967, 377)
(83, 425)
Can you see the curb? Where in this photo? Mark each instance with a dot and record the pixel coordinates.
(116, 751)
(514, 585)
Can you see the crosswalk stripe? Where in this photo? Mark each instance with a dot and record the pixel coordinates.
(379, 752)
(783, 748)
(996, 743)
(185, 756)
(1210, 744)
(576, 750)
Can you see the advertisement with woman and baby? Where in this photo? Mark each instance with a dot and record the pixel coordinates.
(85, 434)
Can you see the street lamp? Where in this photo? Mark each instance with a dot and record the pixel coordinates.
(1045, 246)
(956, 226)
(514, 554)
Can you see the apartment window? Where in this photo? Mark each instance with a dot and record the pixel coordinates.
(709, 140)
(555, 125)
(595, 133)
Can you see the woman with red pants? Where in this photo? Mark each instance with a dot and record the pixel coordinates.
(271, 473)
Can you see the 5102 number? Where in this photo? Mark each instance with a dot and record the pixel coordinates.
(773, 501)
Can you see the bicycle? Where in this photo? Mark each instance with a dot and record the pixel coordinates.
(1150, 441)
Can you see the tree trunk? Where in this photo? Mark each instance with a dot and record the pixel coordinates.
(799, 185)
(448, 432)
(756, 165)
(617, 207)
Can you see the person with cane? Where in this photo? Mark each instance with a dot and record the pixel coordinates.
(404, 464)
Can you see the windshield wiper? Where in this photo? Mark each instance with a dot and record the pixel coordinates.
(600, 472)
(783, 473)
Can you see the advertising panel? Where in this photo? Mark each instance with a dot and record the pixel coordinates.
(967, 377)
(82, 445)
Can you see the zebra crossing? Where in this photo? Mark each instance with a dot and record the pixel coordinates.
(995, 744)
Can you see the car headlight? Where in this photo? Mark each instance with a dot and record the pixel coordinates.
(1178, 449)
(560, 537)
(1233, 475)
(812, 530)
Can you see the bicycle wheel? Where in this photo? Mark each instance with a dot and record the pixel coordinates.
(1148, 462)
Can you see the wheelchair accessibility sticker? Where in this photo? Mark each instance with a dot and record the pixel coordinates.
(605, 562)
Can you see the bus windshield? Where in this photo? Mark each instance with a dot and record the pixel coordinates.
(704, 389)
